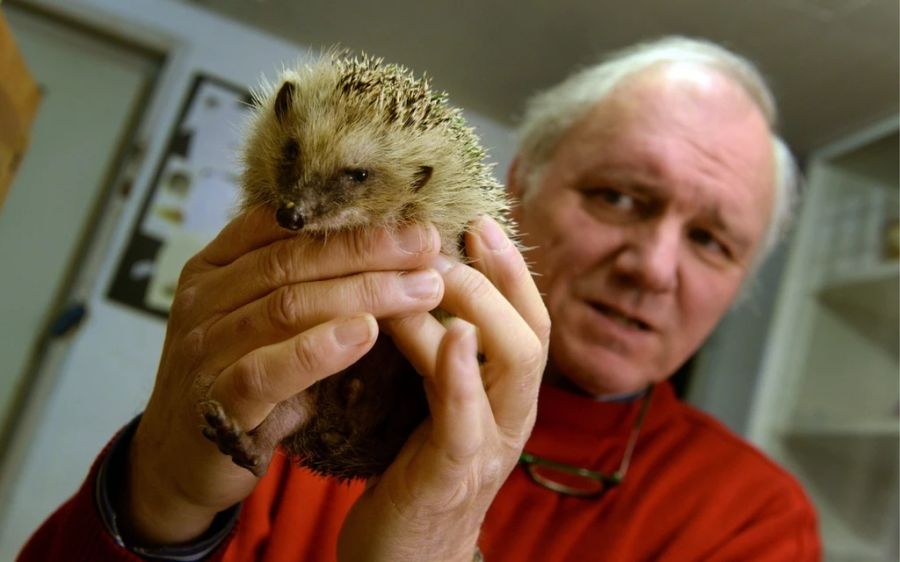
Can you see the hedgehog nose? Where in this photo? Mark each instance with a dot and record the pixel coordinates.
(289, 218)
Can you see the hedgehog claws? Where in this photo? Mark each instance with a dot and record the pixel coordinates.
(231, 440)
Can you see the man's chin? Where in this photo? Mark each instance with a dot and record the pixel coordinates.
(604, 374)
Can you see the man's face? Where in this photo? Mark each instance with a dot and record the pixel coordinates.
(645, 222)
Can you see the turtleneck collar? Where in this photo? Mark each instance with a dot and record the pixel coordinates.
(578, 429)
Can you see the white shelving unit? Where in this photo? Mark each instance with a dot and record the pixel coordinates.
(827, 404)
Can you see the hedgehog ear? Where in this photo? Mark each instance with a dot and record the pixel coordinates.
(284, 100)
(421, 177)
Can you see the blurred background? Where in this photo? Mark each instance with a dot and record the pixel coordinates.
(118, 122)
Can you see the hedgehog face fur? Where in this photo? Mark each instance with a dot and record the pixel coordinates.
(348, 143)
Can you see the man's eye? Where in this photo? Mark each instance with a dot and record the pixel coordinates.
(613, 198)
(708, 241)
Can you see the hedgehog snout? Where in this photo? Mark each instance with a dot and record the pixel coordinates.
(289, 217)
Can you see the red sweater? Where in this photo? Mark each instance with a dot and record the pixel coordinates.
(694, 491)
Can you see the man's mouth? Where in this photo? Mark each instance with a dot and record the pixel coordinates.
(620, 318)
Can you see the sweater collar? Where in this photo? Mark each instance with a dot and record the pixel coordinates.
(569, 426)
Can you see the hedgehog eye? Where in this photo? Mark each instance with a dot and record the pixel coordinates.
(358, 175)
(291, 150)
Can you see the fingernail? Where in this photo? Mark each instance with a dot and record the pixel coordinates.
(414, 240)
(355, 331)
(492, 235)
(421, 284)
(442, 263)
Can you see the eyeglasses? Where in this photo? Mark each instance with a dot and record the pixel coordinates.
(577, 481)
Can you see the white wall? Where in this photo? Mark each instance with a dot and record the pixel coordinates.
(107, 371)
(58, 186)
(727, 367)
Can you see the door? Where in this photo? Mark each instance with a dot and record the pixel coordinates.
(94, 89)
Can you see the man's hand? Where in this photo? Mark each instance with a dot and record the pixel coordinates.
(260, 314)
(430, 503)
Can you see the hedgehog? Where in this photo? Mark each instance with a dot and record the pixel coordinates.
(346, 143)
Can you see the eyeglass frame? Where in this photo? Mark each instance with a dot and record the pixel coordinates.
(608, 481)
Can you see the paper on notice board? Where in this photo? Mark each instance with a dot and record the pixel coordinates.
(211, 204)
(177, 249)
(215, 122)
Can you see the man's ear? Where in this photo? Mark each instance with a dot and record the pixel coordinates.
(513, 185)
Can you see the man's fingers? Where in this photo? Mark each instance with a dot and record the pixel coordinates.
(251, 387)
(511, 319)
(418, 337)
(496, 256)
(295, 308)
(458, 403)
(302, 258)
(507, 340)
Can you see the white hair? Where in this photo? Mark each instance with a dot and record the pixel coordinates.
(550, 114)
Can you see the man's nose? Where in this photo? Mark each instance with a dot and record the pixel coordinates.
(650, 257)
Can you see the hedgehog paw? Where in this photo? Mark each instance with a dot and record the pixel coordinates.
(231, 440)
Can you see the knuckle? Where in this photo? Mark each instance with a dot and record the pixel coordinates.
(195, 266)
(282, 308)
(187, 271)
(277, 263)
(474, 284)
(462, 493)
(193, 345)
(184, 301)
(493, 473)
(531, 358)
(248, 380)
(305, 356)
(370, 291)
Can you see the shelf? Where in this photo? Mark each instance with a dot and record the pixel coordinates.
(852, 480)
(828, 408)
(854, 428)
(841, 543)
(880, 272)
(849, 554)
(870, 302)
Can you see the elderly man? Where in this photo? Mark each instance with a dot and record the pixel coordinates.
(650, 186)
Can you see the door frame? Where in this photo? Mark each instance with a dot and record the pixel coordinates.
(39, 376)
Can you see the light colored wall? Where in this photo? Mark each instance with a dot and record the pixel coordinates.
(61, 177)
(727, 367)
(106, 373)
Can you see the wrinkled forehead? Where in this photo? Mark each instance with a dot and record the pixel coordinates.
(688, 98)
(686, 111)
(683, 128)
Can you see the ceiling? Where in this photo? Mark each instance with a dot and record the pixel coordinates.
(833, 64)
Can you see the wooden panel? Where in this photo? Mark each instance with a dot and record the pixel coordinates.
(19, 99)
